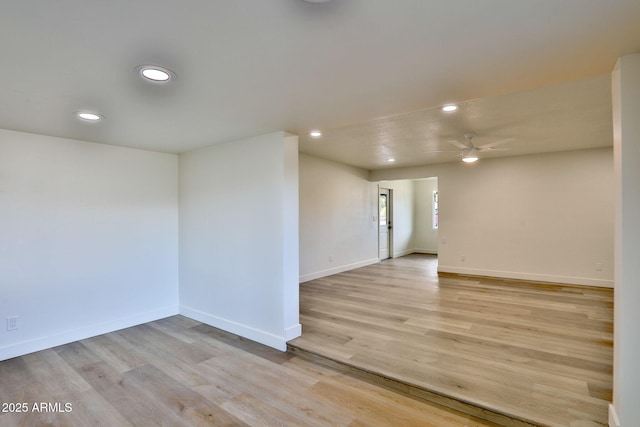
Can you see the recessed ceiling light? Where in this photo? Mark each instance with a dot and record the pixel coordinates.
(449, 108)
(88, 117)
(315, 134)
(155, 73)
(391, 160)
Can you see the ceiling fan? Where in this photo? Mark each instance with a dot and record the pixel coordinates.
(470, 151)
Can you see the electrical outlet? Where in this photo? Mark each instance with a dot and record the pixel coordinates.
(463, 258)
(598, 266)
(12, 323)
(330, 258)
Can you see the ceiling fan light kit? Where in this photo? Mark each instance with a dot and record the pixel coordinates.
(470, 155)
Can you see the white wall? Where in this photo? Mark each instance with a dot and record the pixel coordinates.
(239, 237)
(88, 239)
(625, 410)
(338, 218)
(425, 237)
(542, 217)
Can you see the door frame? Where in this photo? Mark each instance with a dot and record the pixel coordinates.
(389, 193)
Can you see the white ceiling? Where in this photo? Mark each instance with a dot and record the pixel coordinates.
(566, 116)
(348, 67)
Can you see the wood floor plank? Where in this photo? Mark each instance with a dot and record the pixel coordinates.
(540, 351)
(47, 366)
(76, 355)
(427, 415)
(284, 391)
(256, 412)
(153, 353)
(179, 372)
(132, 401)
(15, 376)
(111, 352)
(186, 403)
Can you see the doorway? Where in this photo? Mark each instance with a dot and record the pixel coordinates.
(409, 224)
(385, 228)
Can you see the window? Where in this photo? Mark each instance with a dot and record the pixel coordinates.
(434, 210)
(383, 209)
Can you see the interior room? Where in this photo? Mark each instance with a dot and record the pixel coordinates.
(171, 177)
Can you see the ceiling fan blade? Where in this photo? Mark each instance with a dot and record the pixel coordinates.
(486, 149)
(495, 143)
(442, 151)
(458, 144)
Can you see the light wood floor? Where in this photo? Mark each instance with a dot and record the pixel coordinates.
(179, 372)
(538, 352)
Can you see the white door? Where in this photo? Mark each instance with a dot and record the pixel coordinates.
(384, 221)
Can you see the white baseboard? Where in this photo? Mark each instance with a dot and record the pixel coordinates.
(293, 332)
(584, 281)
(336, 270)
(613, 417)
(415, 251)
(42, 343)
(398, 254)
(425, 251)
(263, 337)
